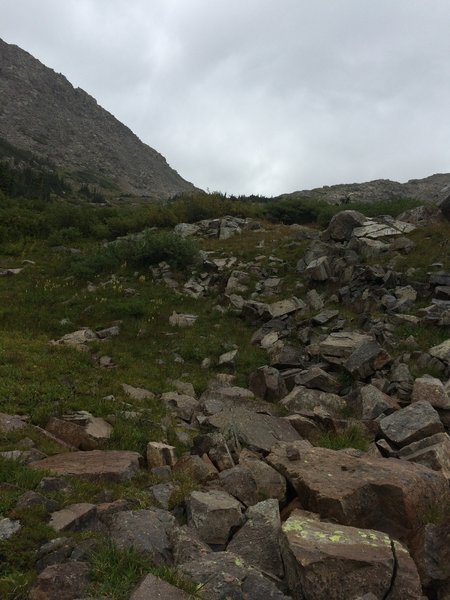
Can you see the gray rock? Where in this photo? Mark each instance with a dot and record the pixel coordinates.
(317, 378)
(153, 588)
(302, 398)
(224, 575)
(432, 452)
(342, 225)
(269, 483)
(75, 517)
(66, 581)
(213, 515)
(431, 389)
(260, 431)
(258, 541)
(318, 269)
(146, 531)
(267, 383)
(442, 352)
(239, 482)
(410, 424)
(374, 402)
(8, 528)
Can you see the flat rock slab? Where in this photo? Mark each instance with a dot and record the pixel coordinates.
(153, 588)
(416, 421)
(442, 351)
(325, 561)
(253, 429)
(112, 465)
(146, 531)
(74, 517)
(370, 492)
(377, 228)
(302, 398)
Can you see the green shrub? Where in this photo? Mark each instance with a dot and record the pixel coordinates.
(140, 251)
(353, 437)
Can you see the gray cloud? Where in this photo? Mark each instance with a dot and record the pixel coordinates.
(257, 96)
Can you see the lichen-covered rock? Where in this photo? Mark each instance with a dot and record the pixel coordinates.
(325, 561)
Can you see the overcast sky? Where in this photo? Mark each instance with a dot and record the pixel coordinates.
(260, 96)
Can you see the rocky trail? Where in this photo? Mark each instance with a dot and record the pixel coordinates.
(323, 473)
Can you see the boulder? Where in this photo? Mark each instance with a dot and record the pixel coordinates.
(302, 398)
(194, 467)
(269, 483)
(364, 491)
(382, 227)
(325, 561)
(159, 455)
(110, 465)
(75, 517)
(374, 402)
(248, 428)
(182, 405)
(8, 528)
(239, 482)
(416, 421)
(213, 515)
(442, 352)
(318, 269)
(433, 452)
(154, 588)
(258, 541)
(137, 393)
(147, 531)
(66, 581)
(430, 389)
(223, 575)
(267, 383)
(444, 207)
(11, 423)
(342, 225)
(317, 378)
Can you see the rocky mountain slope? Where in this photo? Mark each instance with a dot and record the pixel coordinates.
(430, 189)
(42, 112)
(268, 420)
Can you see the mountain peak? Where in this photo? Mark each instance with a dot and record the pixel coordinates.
(41, 111)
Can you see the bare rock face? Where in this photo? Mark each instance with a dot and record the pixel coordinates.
(368, 492)
(42, 112)
(112, 465)
(325, 561)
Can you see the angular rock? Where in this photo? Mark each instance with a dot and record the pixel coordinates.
(325, 561)
(146, 531)
(253, 429)
(8, 528)
(10, 423)
(368, 492)
(228, 358)
(213, 515)
(182, 320)
(318, 269)
(153, 588)
(186, 545)
(410, 424)
(442, 352)
(258, 540)
(238, 482)
(196, 468)
(111, 465)
(431, 389)
(71, 433)
(78, 339)
(367, 358)
(269, 483)
(302, 398)
(432, 556)
(223, 575)
(284, 307)
(267, 383)
(137, 393)
(342, 225)
(382, 227)
(159, 455)
(339, 346)
(74, 517)
(66, 581)
(182, 405)
(317, 378)
(374, 402)
(432, 452)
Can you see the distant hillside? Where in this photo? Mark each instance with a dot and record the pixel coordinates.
(429, 189)
(42, 112)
